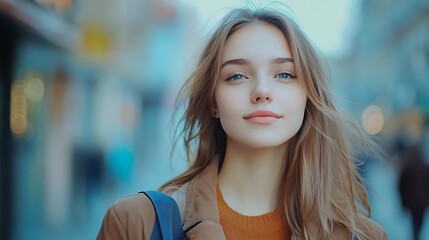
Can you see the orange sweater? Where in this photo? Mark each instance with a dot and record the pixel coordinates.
(237, 226)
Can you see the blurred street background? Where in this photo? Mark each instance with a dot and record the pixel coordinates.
(87, 91)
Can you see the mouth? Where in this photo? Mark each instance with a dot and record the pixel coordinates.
(262, 114)
(262, 117)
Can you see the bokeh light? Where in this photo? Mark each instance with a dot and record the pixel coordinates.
(18, 109)
(34, 87)
(373, 120)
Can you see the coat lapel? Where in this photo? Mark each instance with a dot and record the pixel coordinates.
(201, 220)
(200, 212)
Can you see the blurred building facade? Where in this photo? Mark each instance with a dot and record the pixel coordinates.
(388, 65)
(86, 87)
(387, 70)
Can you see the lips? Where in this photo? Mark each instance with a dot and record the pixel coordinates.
(262, 114)
(262, 117)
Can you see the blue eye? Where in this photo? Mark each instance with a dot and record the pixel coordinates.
(236, 77)
(285, 75)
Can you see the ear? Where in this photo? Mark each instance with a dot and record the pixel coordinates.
(215, 112)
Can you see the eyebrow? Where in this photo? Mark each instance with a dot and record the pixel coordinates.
(242, 61)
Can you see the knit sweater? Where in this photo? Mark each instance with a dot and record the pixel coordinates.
(237, 226)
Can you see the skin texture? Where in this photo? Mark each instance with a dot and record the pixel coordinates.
(257, 74)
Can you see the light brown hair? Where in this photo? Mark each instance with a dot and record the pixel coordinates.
(321, 183)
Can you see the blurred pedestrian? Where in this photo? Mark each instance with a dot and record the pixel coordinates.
(414, 186)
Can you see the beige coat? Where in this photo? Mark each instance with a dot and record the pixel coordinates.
(133, 217)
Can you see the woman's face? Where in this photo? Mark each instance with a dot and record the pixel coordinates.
(260, 101)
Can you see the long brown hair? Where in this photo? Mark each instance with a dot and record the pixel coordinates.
(321, 184)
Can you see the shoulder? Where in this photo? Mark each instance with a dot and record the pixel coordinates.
(371, 229)
(134, 206)
(179, 194)
(127, 217)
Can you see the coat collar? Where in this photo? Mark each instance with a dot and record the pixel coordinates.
(200, 213)
(201, 216)
(198, 205)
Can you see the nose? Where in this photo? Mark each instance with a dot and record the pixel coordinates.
(261, 93)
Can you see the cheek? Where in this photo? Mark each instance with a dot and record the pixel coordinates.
(302, 102)
(294, 100)
(226, 101)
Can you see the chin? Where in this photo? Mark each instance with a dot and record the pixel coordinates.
(260, 139)
(264, 143)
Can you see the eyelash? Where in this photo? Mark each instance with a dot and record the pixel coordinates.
(236, 75)
(288, 76)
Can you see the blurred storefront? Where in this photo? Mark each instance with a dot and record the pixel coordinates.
(385, 79)
(84, 85)
(388, 65)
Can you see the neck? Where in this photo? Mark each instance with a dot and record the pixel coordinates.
(250, 179)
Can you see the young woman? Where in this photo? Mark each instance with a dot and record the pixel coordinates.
(272, 157)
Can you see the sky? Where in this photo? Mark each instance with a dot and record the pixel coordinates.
(330, 24)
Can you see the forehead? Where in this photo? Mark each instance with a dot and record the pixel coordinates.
(255, 41)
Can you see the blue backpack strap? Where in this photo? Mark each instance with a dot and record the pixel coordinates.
(168, 222)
